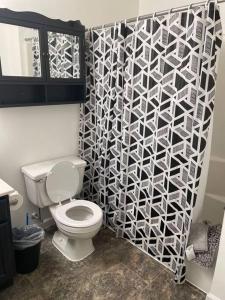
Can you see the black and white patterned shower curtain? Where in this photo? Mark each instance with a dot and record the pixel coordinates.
(150, 97)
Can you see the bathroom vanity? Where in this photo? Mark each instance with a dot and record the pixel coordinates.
(7, 266)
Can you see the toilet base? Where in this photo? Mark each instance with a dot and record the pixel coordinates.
(72, 249)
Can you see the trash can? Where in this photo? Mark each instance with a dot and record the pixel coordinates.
(27, 243)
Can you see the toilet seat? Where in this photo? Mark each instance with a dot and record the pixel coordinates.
(91, 214)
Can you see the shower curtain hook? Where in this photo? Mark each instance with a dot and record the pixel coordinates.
(207, 3)
(189, 8)
(136, 23)
(170, 12)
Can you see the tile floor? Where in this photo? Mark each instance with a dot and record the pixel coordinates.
(116, 270)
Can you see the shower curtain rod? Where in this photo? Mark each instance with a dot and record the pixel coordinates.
(159, 13)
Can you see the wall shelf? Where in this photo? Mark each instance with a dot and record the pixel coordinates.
(42, 94)
(60, 63)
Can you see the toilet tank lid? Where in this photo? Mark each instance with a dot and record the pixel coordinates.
(40, 170)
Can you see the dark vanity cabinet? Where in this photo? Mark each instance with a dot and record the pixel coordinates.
(41, 60)
(7, 268)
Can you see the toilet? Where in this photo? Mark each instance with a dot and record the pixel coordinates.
(55, 184)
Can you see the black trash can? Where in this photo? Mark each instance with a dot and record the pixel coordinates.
(27, 244)
(27, 259)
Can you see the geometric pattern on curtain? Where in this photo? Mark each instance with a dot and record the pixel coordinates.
(64, 59)
(144, 127)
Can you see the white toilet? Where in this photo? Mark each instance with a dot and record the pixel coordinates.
(54, 183)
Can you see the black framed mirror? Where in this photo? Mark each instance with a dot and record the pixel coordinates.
(42, 59)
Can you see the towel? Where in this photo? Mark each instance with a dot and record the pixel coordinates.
(199, 237)
(207, 258)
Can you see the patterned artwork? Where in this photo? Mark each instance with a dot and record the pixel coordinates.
(144, 127)
(64, 60)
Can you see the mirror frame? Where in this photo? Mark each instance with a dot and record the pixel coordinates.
(44, 24)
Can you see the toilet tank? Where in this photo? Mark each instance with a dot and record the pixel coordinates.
(35, 178)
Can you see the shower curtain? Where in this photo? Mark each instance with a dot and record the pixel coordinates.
(144, 127)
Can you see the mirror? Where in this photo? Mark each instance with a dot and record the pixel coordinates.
(64, 60)
(19, 51)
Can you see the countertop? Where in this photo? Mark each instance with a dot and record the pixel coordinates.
(5, 189)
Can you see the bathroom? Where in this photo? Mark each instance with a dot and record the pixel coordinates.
(119, 267)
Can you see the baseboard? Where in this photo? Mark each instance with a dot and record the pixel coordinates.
(197, 287)
(210, 296)
(47, 223)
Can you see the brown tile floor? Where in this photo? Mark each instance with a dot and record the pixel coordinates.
(116, 270)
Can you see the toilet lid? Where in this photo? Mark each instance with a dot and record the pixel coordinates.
(62, 182)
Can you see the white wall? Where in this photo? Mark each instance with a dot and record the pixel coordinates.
(147, 7)
(90, 12)
(31, 134)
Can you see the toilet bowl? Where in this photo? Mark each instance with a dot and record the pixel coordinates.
(78, 222)
(55, 184)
